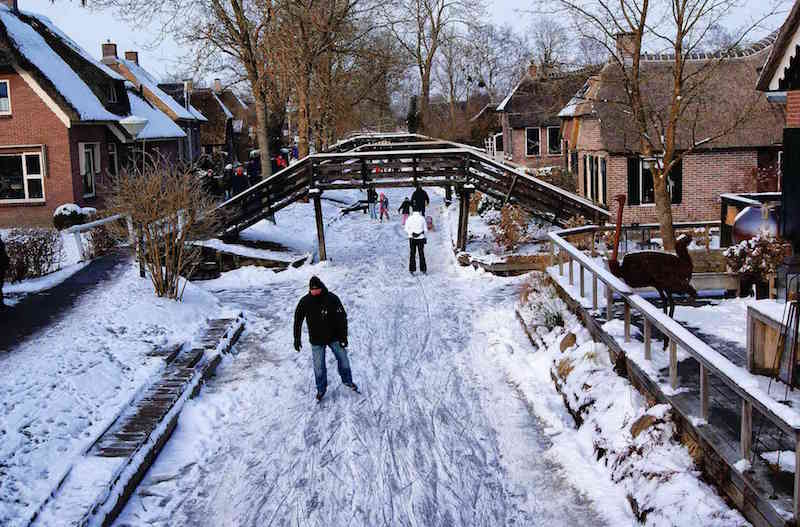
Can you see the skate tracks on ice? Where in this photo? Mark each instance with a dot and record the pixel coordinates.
(438, 436)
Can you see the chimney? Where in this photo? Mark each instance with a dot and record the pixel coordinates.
(217, 86)
(132, 56)
(533, 70)
(626, 45)
(188, 88)
(12, 4)
(109, 50)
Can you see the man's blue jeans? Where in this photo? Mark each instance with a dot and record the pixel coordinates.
(373, 213)
(320, 370)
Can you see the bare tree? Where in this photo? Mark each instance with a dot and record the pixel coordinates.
(420, 26)
(677, 27)
(498, 56)
(550, 43)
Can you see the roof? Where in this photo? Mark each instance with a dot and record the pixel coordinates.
(159, 125)
(536, 101)
(727, 89)
(64, 71)
(225, 109)
(777, 61)
(143, 77)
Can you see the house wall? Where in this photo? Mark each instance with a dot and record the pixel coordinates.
(793, 109)
(706, 175)
(33, 123)
(519, 155)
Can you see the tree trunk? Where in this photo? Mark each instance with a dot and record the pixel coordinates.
(303, 124)
(664, 210)
(426, 100)
(262, 133)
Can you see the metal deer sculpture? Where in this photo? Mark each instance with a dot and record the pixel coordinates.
(668, 273)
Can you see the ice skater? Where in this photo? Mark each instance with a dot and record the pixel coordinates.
(384, 201)
(405, 209)
(327, 327)
(416, 227)
(420, 200)
(372, 198)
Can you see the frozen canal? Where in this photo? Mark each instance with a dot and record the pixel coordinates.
(439, 437)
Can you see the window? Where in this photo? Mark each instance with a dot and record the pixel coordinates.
(112, 93)
(595, 180)
(641, 188)
(5, 98)
(113, 160)
(90, 166)
(554, 140)
(573, 163)
(780, 170)
(532, 142)
(21, 177)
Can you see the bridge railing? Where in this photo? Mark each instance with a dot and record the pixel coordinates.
(711, 362)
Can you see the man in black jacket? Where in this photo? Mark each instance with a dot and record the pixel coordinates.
(3, 269)
(420, 200)
(327, 327)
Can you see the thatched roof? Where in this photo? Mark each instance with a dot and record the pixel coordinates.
(720, 94)
(537, 99)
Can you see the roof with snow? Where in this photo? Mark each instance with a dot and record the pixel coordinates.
(774, 75)
(79, 84)
(137, 74)
(159, 125)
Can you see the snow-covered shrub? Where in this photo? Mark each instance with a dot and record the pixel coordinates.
(513, 227)
(758, 257)
(583, 241)
(170, 210)
(33, 253)
(539, 304)
(69, 215)
(101, 240)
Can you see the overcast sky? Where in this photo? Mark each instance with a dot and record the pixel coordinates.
(90, 28)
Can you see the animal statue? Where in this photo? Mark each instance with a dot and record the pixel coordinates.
(669, 273)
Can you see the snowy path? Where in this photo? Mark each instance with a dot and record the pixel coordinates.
(439, 437)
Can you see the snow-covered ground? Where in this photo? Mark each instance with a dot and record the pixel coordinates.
(440, 436)
(64, 385)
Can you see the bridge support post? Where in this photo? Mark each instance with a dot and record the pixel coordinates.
(316, 194)
(448, 195)
(463, 216)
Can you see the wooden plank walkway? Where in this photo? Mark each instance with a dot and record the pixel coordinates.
(99, 484)
(763, 495)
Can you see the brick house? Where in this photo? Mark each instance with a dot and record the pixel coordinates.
(177, 106)
(529, 116)
(62, 116)
(217, 133)
(603, 146)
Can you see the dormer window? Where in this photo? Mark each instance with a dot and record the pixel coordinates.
(5, 98)
(112, 93)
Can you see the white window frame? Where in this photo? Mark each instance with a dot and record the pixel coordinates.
(26, 177)
(560, 147)
(112, 147)
(539, 154)
(642, 160)
(112, 93)
(8, 91)
(82, 159)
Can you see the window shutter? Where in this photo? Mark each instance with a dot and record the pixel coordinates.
(586, 177)
(677, 181)
(97, 162)
(82, 157)
(603, 179)
(633, 180)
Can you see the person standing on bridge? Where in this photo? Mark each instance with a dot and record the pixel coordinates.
(416, 227)
(420, 200)
(327, 327)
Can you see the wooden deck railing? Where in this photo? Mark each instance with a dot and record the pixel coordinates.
(743, 383)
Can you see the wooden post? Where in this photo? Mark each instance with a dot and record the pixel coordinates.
(703, 392)
(746, 439)
(581, 279)
(141, 249)
(79, 244)
(673, 364)
(609, 303)
(594, 291)
(460, 242)
(796, 495)
(627, 321)
(560, 263)
(448, 195)
(594, 240)
(571, 277)
(648, 338)
(552, 255)
(317, 194)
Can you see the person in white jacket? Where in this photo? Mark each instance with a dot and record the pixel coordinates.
(416, 227)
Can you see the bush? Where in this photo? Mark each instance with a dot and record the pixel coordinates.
(540, 303)
(487, 205)
(33, 253)
(68, 215)
(513, 227)
(758, 257)
(101, 240)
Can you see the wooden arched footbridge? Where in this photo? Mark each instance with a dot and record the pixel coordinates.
(403, 160)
